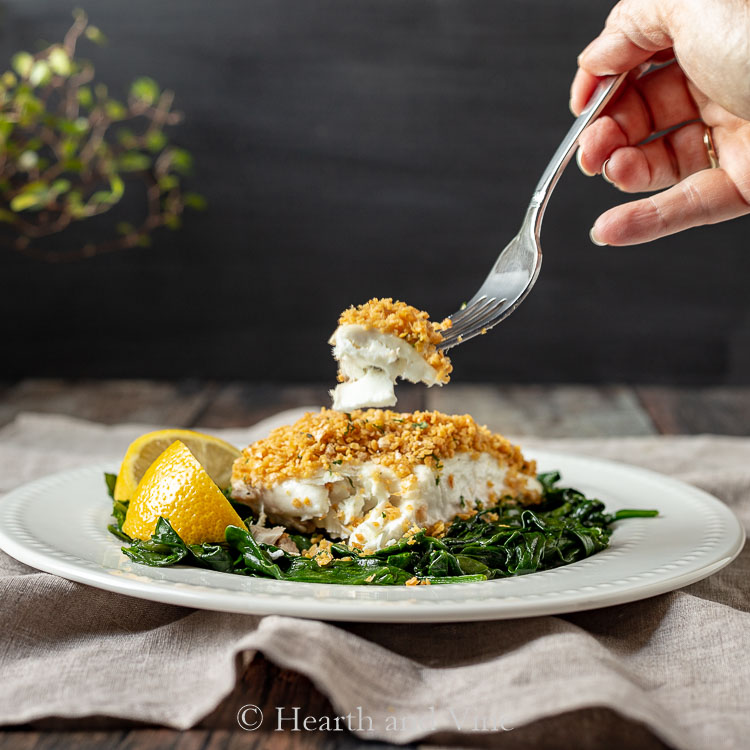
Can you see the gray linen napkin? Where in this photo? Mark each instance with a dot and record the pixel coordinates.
(678, 663)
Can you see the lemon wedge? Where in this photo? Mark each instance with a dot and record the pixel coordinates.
(215, 455)
(178, 488)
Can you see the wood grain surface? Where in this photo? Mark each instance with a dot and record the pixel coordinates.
(562, 411)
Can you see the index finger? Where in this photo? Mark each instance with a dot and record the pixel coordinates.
(634, 34)
(583, 86)
(635, 31)
(585, 83)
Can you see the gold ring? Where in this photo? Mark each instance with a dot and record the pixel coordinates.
(708, 142)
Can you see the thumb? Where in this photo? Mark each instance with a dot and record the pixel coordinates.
(634, 32)
(705, 197)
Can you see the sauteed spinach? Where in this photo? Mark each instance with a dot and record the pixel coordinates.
(496, 542)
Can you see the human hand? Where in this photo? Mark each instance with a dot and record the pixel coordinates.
(706, 90)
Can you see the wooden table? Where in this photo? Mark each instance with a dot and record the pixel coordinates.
(547, 411)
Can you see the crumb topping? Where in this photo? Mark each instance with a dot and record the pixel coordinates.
(400, 441)
(406, 322)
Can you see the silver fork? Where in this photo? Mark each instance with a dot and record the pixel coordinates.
(517, 267)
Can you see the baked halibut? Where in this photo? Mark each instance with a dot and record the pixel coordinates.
(369, 477)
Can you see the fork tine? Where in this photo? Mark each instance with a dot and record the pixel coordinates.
(482, 313)
(467, 309)
(476, 312)
(450, 343)
(477, 326)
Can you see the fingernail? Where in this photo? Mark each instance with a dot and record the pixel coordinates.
(605, 175)
(580, 166)
(592, 236)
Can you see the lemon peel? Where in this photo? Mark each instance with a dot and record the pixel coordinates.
(214, 454)
(178, 488)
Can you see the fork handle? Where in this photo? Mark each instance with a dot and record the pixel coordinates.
(599, 99)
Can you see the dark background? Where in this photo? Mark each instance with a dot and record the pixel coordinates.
(358, 148)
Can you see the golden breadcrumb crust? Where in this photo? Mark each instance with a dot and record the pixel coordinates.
(409, 324)
(400, 441)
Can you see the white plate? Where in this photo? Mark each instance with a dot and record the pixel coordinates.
(58, 524)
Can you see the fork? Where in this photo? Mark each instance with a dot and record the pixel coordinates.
(517, 267)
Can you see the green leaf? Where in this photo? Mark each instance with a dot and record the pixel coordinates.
(60, 186)
(133, 161)
(361, 572)
(630, 513)
(94, 34)
(73, 165)
(126, 137)
(7, 217)
(119, 509)
(197, 202)
(28, 160)
(145, 89)
(117, 186)
(40, 73)
(163, 549)
(34, 196)
(119, 513)
(470, 566)
(303, 542)
(111, 196)
(115, 110)
(59, 61)
(28, 106)
(111, 481)
(100, 197)
(76, 127)
(181, 160)
(172, 222)
(22, 63)
(6, 128)
(85, 97)
(254, 557)
(69, 147)
(213, 556)
(76, 205)
(168, 182)
(155, 141)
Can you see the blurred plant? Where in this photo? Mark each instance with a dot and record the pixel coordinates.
(67, 149)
